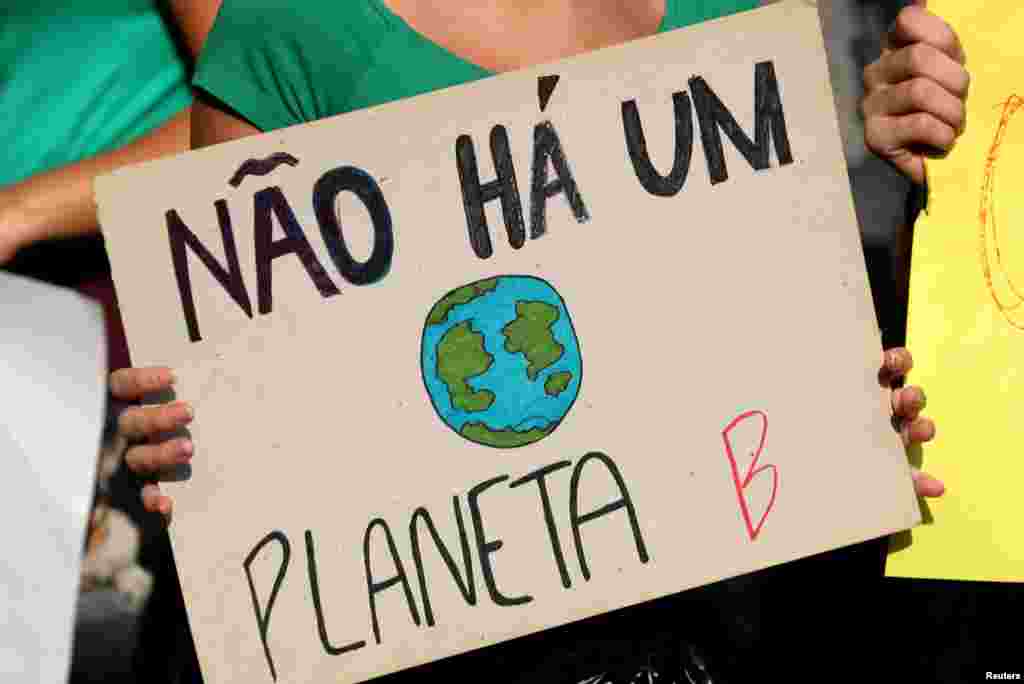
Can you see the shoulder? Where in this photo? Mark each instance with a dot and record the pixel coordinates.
(680, 13)
(280, 63)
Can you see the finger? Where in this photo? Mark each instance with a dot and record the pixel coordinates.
(915, 61)
(155, 501)
(915, 24)
(893, 137)
(896, 363)
(151, 458)
(917, 95)
(917, 431)
(911, 165)
(908, 402)
(926, 485)
(130, 384)
(141, 422)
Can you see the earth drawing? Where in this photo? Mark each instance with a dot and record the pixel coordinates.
(501, 361)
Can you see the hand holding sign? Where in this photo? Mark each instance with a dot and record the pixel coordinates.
(915, 91)
(140, 428)
(907, 404)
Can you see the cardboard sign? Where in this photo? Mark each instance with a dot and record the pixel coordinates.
(966, 325)
(464, 370)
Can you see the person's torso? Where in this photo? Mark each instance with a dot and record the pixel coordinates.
(371, 56)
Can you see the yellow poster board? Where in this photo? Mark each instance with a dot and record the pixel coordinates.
(966, 324)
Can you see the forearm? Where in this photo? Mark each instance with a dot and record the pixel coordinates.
(59, 203)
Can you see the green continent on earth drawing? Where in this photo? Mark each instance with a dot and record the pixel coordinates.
(557, 383)
(501, 361)
(462, 295)
(531, 334)
(460, 356)
(502, 439)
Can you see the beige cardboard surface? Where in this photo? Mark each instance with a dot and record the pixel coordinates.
(708, 324)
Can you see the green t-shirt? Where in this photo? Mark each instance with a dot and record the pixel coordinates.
(278, 64)
(81, 77)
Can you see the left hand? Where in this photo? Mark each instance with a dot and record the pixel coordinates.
(142, 427)
(914, 94)
(907, 404)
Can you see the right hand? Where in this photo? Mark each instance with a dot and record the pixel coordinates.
(142, 427)
(915, 93)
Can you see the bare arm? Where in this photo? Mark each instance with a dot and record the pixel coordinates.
(59, 203)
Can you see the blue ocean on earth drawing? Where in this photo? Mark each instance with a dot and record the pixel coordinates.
(501, 360)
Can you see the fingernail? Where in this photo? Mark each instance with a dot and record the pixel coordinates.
(174, 377)
(188, 409)
(897, 400)
(918, 475)
(185, 449)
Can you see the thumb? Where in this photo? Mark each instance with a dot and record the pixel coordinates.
(910, 165)
(926, 485)
(889, 40)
